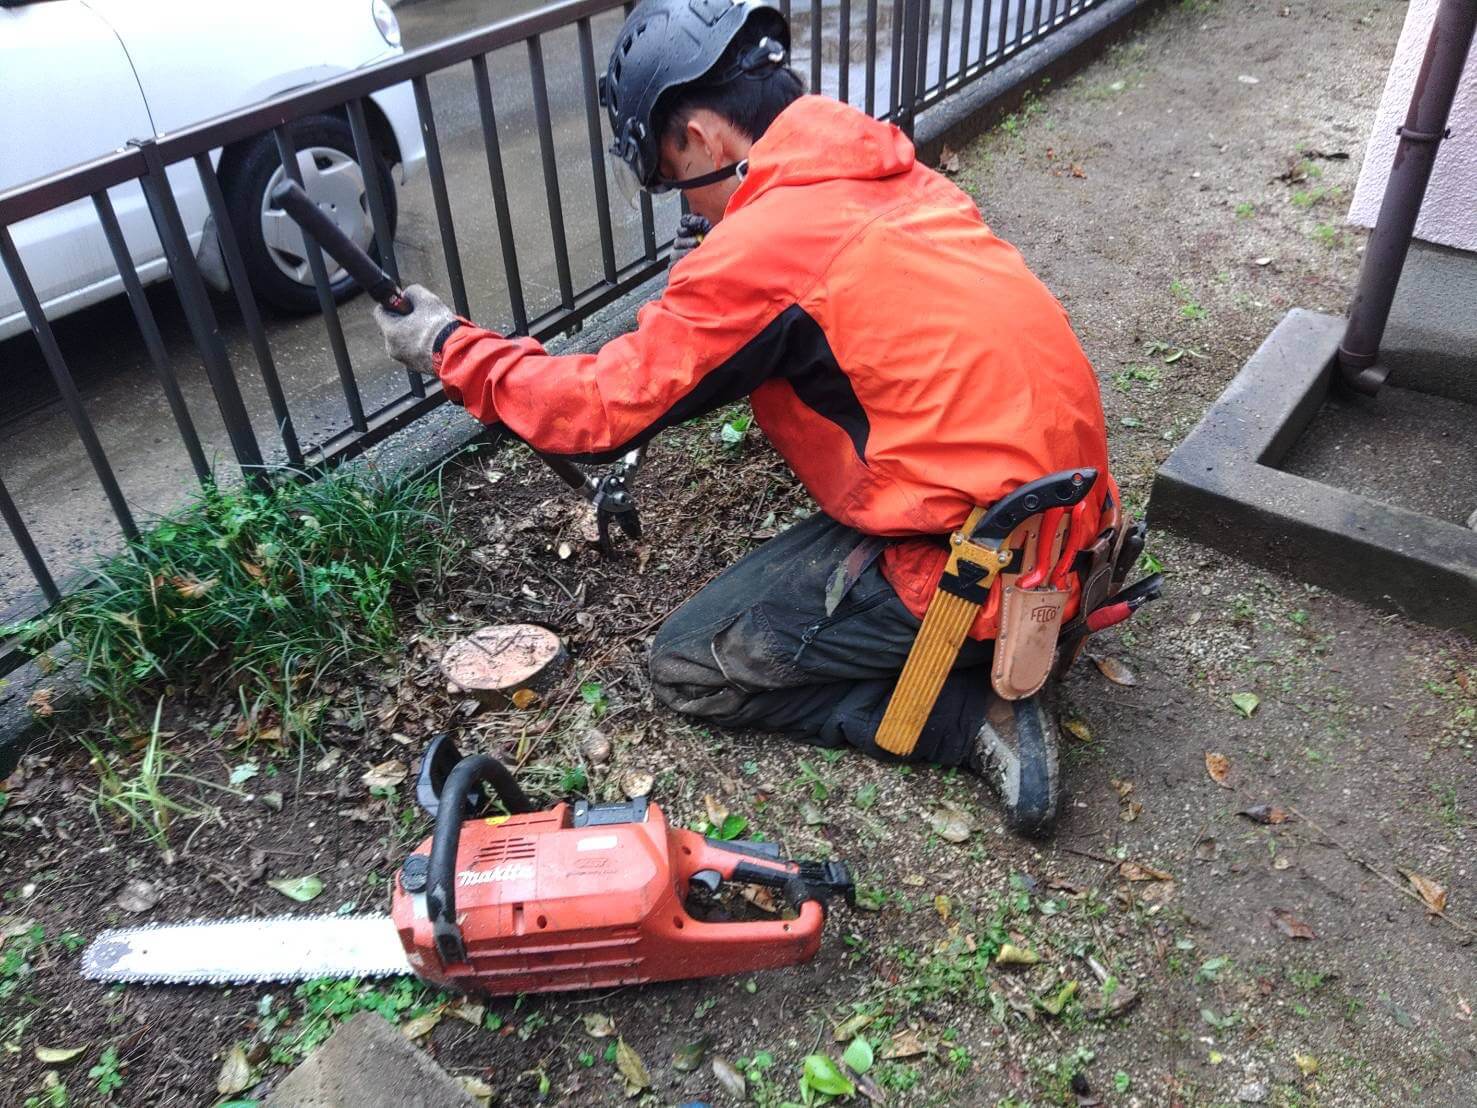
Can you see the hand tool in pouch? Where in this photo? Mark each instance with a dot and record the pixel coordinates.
(1031, 610)
(610, 495)
(580, 896)
(977, 553)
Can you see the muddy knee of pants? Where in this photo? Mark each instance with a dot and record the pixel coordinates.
(714, 672)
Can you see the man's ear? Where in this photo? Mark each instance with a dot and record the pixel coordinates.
(706, 131)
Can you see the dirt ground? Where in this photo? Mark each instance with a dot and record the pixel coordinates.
(1180, 195)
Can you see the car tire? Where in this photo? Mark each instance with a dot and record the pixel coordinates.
(278, 272)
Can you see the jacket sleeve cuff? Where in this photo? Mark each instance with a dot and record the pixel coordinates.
(444, 334)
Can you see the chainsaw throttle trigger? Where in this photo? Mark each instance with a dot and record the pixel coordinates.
(469, 773)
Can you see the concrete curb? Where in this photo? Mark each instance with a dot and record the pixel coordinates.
(1220, 487)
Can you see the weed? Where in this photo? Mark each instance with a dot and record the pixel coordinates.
(277, 585)
(1245, 210)
(106, 1073)
(139, 800)
(326, 1001)
(1137, 374)
(1326, 234)
(1189, 308)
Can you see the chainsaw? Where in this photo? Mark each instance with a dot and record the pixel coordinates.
(579, 896)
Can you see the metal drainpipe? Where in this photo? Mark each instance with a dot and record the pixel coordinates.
(1420, 138)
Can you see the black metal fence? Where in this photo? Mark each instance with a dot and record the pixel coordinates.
(892, 58)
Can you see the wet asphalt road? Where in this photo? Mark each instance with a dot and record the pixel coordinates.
(41, 460)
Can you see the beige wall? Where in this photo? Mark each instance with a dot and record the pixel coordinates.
(1449, 215)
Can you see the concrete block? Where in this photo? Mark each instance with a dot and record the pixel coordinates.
(1220, 487)
(368, 1063)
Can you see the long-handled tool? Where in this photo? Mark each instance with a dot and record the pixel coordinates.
(610, 495)
(576, 897)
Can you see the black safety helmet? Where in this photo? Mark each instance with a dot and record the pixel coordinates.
(668, 43)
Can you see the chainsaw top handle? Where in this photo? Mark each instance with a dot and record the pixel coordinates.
(1057, 490)
(469, 773)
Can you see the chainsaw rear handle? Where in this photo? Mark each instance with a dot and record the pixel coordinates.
(292, 199)
(470, 772)
(801, 883)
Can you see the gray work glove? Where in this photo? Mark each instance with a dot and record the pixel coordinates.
(410, 339)
(690, 231)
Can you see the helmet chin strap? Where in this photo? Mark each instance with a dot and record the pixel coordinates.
(739, 169)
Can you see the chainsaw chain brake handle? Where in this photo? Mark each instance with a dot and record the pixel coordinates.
(455, 791)
(707, 863)
(1065, 489)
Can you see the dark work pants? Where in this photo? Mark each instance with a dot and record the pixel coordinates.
(756, 649)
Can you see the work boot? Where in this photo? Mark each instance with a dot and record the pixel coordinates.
(1016, 753)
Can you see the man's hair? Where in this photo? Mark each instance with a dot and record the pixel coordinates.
(750, 101)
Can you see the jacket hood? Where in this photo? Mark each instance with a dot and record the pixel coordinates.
(820, 139)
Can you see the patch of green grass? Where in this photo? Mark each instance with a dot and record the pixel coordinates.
(1147, 375)
(275, 586)
(1326, 234)
(325, 1002)
(1245, 210)
(135, 793)
(1189, 308)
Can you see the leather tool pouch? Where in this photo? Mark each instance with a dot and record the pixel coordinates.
(1030, 621)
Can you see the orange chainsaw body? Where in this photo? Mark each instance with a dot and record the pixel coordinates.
(581, 897)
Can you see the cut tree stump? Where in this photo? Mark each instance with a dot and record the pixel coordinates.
(494, 664)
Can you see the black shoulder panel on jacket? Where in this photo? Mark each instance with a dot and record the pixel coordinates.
(792, 346)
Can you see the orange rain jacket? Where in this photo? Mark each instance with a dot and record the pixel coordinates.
(901, 358)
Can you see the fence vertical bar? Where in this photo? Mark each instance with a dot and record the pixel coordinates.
(287, 149)
(246, 301)
(551, 169)
(815, 46)
(198, 313)
(895, 63)
(149, 329)
(597, 149)
(1020, 22)
(18, 531)
(439, 196)
(648, 226)
(1004, 26)
(869, 102)
(493, 146)
(945, 33)
(379, 215)
(1036, 22)
(908, 85)
(65, 385)
(925, 18)
(843, 64)
(966, 33)
(784, 9)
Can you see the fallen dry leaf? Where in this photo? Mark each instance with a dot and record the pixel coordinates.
(255, 571)
(1079, 729)
(637, 783)
(716, 809)
(948, 160)
(1114, 670)
(386, 775)
(138, 896)
(476, 1088)
(236, 1073)
(465, 1008)
(632, 1068)
(1206, 850)
(524, 698)
(1136, 871)
(951, 824)
(906, 1044)
(1130, 811)
(732, 1081)
(760, 898)
(597, 1025)
(40, 703)
(1121, 787)
(422, 1025)
(1306, 1063)
(1078, 171)
(192, 588)
(1219, 768)
(57, 1055)
(1266, 813)
(1433, 894)
(1290, 925)
(1012, 955)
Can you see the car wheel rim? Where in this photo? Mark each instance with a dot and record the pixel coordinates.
(335, 182)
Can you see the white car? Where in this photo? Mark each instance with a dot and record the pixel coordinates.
(80, 78)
